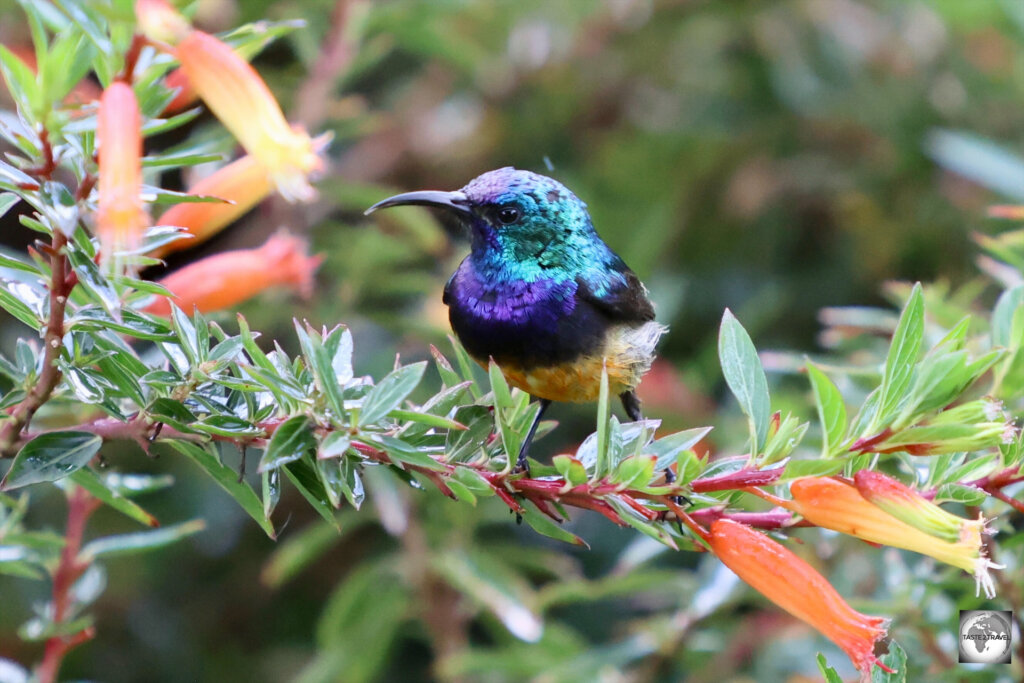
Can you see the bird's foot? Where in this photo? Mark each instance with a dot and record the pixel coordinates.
(522, 465)
(670, 478)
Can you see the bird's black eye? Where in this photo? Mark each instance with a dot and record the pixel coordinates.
(508, 215)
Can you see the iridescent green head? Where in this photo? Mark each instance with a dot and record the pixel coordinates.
(520, 221)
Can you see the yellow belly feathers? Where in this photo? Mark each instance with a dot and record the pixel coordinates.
(627, 353)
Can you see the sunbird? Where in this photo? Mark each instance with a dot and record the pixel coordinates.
(542, 294)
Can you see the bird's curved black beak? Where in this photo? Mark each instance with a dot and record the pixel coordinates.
(453, 201)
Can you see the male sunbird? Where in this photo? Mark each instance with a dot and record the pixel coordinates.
(542, 294)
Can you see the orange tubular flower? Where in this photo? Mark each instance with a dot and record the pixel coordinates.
(121, 219)
(911, 507)
(834, 505)
(1011, 212)
(796, 587)
(243, 182)
(237, 96)
(225, 280)
(186, 93)
(159, 20)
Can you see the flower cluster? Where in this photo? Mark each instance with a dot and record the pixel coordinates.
(881, 510)
(279, 158)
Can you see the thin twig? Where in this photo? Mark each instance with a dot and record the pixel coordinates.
(336, 53)
(80, 506)
(53, 342)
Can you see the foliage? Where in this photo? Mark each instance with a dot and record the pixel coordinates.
(935, 407)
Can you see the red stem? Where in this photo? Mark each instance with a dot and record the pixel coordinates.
(80, 506)
(53, 343)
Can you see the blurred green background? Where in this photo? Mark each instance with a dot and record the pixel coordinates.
(771, 157)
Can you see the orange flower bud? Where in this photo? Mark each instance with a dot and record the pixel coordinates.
(225, 280)
(158, 20)
(792, 584)
(243, 182)
(834, 505)
(237, 96)
(1009, 211)
(911, 507)
(120, 219)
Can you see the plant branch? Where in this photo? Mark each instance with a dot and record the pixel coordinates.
(61, 283)
(80, 506)
(336, 53)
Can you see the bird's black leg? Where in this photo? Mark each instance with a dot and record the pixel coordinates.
(632, 405)
(521, 464)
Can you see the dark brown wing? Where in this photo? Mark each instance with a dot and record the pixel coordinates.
(627, 303)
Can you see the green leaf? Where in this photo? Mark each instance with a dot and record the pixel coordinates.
(359, 622)
(402, 452)
(571, 469)
(227, 478)
(305, 478)
(957, 493)
(634, 472)
(228, 426)
(141, 541)
(334, 445)
(321, 362)
(812, 468)
(831, 410)
(92, 483)
(668, 448)
(293, 439)
(389, 393)
(187, 336)
(1002, 317)
(510, 438)
(654, 530)
(972, 469)
(270, 486)
(173, 413)
(830, 674)
(51, 456)
(21, 83)
(302, 549)
(449, 377)
(465, 366)
(491, 584)
(18, 308)
(895, 659)
(601, 464)
(426, 419)
(461, 446)
(745, 377)
(8, 200)
(902, 358)
(543, 524)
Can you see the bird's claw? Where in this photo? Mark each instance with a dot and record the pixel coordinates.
(522, 466)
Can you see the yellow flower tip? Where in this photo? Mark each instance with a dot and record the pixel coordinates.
(159, 21)
(835, 505)
(297, 161)
(120, 218)
(242, 184)
(239, 98)
(908, 505)
(792, 584)
(225, 280)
